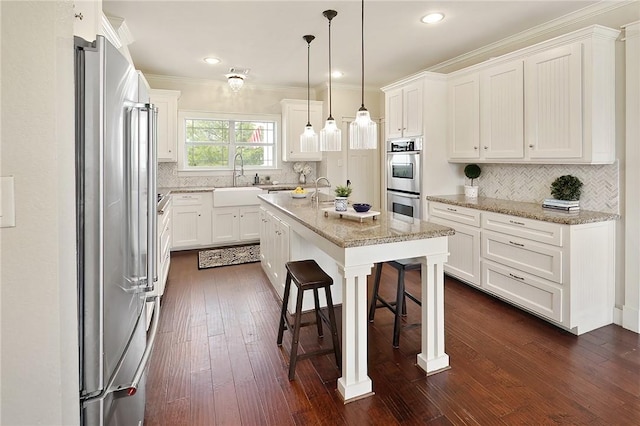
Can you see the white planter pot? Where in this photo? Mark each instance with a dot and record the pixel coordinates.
(341, 204)
(471, 191)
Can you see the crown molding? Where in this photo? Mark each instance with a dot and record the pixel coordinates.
(549, 27)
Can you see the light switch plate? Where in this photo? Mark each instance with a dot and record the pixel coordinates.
(7, 202)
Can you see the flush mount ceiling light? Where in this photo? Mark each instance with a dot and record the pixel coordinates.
(337, 74)
(363, 132)
(432, 18)
(308, 138)
(330, 135)
(236, 77)
(211, 61)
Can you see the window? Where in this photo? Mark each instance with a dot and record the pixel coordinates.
(209, 141)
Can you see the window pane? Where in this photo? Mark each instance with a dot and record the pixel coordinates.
(207, 130)
(207, 156)
(254, 132)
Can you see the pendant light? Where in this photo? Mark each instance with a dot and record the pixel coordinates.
(308, 138)
(363, 132)
(330, 135)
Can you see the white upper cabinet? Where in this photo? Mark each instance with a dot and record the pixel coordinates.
(501, 111)
(404, 110)
(294, 120)
(167, 131)
(464, 117)
(551, 103)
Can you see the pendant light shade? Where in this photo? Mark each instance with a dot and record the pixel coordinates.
(330, 135)
(308, 138)
(363, 132)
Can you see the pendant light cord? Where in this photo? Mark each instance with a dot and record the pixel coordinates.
(330, 114)
(308, 78)
(362, 105)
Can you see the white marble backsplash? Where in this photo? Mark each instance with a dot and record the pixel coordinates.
(168, 176)
(532, 182)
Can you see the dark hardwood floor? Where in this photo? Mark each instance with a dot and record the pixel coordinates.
(216, 362)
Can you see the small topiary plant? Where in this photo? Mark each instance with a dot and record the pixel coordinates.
(566, 187)
(472, 171)
(343, 191)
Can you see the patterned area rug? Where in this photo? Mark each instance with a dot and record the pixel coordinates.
(226, 256)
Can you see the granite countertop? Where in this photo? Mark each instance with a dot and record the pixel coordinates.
(346, 232)
(523, 209)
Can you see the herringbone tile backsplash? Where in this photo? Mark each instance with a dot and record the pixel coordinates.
(532, 182)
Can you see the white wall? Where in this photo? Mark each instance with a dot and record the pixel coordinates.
(631, 308)
(38, 326)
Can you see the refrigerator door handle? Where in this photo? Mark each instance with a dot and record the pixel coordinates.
(152, 198)
(132, 388)
(144, 274)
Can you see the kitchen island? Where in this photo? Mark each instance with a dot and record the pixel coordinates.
(347, 249)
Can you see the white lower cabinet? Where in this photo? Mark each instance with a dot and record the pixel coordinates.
(528, 291)
(235, 224)
(274, 248)
(464, 245)
(562, 273)
(163, 256)
(164, 246)
(191, 220)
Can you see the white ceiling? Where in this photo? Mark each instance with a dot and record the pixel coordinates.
(173, 37)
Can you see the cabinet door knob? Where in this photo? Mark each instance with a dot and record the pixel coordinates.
(530, 145)
(486, 147)
(475, 147)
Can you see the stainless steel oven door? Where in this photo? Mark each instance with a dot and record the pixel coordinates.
(404, 204)
(403, 171)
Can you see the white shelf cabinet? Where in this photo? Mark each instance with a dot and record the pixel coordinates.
(191, 220)
(561, 273)
(294, 120)
(167, 130)
(565, 90)
(236, 224)
(404, 110)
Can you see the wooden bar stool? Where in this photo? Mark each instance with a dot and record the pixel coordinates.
(307, 275)
(398, 307)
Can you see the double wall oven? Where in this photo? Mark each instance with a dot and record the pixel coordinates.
(404, 176)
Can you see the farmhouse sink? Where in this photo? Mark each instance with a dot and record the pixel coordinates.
(236, 196)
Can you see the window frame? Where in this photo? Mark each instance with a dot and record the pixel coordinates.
(184, 115)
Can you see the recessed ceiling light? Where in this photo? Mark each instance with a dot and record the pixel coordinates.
(432, 18)
(212, 61)
(337, 74)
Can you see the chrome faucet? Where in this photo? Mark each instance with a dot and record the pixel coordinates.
(315, 194)
(235, 173)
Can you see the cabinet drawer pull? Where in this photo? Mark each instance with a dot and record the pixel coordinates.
(516, 277)
(516, 244)
(516, 223)
(451, 210)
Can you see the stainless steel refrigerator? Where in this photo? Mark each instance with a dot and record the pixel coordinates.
(116, 228)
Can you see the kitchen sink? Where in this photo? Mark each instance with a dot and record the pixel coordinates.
(236, 196)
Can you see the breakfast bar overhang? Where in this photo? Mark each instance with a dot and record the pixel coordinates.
(349, 249)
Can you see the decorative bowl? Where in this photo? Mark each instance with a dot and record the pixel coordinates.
(361, 207)
(299, 194)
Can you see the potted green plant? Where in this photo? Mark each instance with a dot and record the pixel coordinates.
(567, 188)
(342, 193)
(472, 171)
